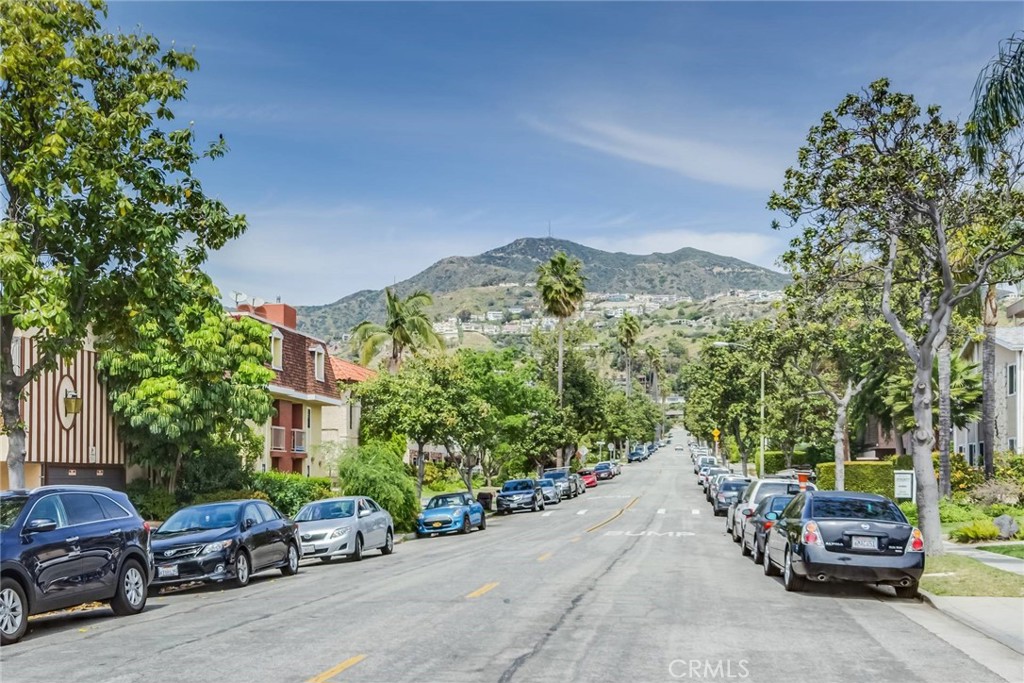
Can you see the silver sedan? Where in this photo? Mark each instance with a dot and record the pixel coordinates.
(338, 527)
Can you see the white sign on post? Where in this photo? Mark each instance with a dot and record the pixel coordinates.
(905, 485)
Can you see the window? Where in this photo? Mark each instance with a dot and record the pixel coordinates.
(16, 355)
(318, 362)
(82, 508)
(269, 513)
(1011, 380)
(372, 506)
(251, 512)
(972, 450)
(276, 350)
(111, 510)
(49, 507)
(1011, 444)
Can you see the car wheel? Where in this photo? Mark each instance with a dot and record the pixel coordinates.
(758, 553)
(243, 569)
(542, 505)
(534, 508)
(291, 566)
(13, 612)
(483, 521)
(389, 544)
(744, 550)
(769, 568)
(906, 591)
(357, 549)
(130, 597)
(735, 536)
(790, 580)
(464, 529)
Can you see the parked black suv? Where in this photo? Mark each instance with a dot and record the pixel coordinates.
(62, 546)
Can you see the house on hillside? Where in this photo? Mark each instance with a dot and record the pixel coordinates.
(71, 433)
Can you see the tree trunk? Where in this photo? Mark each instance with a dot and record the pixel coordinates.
(945, 418)
(421, 467)
(923, 439)
(839, 444)
(989, 319)
(561, 357)
(629, 374)
(11, 386)
(898, 442)
(172, 481)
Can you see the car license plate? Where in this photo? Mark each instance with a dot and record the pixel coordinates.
(436, 524)
(864, 542)
(167, 572)
(308, 549)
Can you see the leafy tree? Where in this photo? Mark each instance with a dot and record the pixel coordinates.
(103, 207)
(188, 385)
(407, 328)
(881, 179)
(583, 390)
(965, 394)
(627, 334)
(561, 289)
(374, 470)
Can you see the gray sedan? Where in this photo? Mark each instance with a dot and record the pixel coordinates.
(347, 526)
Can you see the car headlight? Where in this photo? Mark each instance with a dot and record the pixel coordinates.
(215, 547)
(419, 517)
(339, 532)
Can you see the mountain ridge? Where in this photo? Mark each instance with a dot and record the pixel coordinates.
(686, 272)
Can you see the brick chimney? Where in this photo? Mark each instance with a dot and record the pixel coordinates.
(282, 314)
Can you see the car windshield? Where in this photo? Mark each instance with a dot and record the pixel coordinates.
(519, 485)
(602, 466)
(555, 475)
(446, 501)
(10, 508)
(855, 508)
(732, 485)
(328, 509)
(546, 482)
(201, 518)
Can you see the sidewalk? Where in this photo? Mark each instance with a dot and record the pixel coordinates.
(1001, 619)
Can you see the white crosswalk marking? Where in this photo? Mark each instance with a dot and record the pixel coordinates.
(696, 512)
(581, 512)
(547, 513)
(661, 511)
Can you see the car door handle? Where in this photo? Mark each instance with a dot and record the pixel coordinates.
(115, 532)
(72, 539)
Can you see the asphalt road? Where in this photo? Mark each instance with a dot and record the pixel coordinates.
(635, 581)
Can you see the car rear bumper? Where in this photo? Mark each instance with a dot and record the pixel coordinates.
(820, 564)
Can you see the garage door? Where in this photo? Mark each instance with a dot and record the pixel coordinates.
(111, 476)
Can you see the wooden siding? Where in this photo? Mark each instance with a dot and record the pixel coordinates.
(54, 437)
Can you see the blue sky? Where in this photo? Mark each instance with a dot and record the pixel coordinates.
(369, 140)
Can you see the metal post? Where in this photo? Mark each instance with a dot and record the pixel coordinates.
(761, 468)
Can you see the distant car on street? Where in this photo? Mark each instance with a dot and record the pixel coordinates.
(560, 475)
(62, 546)
(227, 541)
(576, 481)
(344, 527)
(589, 477)
(552, 493)
(845, 536)
(604, 470)
(760, 523)
(449, 512)
(726, 492)
(520, 494)
(744, 506)
(704, 461)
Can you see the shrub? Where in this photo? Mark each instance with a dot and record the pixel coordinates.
(999, 509)
(952, 511)
(868, 476)
(229, 494)
(440, 477)
(375, 472)
(152, 502)
(979, 530)
(910, 510)
(288, 492)
(218, 469)
(903, 462)
(1010, 467)
(1007, 492)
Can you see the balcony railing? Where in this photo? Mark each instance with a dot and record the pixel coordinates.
(277, 438)
(298, 441)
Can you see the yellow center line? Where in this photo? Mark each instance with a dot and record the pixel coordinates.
(613, 517)
(545, 556)
(483, 589)
(575, 539)
(334, 671)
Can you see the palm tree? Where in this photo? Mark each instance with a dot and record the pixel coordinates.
(657, 374)
(998, 100)
(406, 327)
(561, 291)
(628, 333)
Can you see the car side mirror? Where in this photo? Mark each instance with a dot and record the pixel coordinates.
(771, 515)
(748, 513)
(37, 526)
(248, 523)
(364, 513)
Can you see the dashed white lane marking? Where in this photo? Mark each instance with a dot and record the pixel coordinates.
(695, 511)
(548, 513)
(581, 512)
(661, 511)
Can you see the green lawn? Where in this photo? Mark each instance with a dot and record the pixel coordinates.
(1014, 550)
(959, 575)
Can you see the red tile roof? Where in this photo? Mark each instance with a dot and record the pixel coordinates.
(346, 371)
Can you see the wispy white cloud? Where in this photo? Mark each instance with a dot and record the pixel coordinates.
(688, 156)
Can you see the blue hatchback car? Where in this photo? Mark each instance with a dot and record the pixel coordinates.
(62, 546)
(450, 512)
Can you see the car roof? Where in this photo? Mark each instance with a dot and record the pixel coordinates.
(57, 488)
(336, 499)
(860, 495)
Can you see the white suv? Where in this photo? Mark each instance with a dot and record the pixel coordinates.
(744, 506)
(704, 461)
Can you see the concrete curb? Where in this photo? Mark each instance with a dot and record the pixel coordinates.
(983, 629)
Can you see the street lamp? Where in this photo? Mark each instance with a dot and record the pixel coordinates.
(725, 344)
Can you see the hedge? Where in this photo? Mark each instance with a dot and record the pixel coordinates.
(289, 492)
(867, 476)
